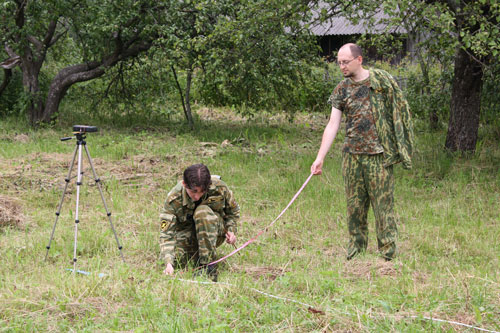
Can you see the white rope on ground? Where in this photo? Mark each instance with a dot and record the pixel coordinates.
(314, 309)
(253, 289)
(453, 322)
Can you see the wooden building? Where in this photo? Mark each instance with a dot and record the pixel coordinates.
(339, 30)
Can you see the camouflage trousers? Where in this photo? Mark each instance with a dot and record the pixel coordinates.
(198, 243)
(368, 181)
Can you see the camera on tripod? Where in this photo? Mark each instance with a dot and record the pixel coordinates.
(84, 128)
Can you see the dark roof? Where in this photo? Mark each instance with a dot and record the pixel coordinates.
(340, 25)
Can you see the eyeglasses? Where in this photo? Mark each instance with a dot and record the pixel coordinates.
(345, 62)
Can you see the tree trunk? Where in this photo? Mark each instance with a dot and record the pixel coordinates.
(187, 112)
(31, 70)
(64, 80)
(6, 79)
(187, 96)
(465, 104)
(35, 108)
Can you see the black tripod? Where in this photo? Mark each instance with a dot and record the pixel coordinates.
(80, 131)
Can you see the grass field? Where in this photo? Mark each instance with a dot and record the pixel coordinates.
(449, 231)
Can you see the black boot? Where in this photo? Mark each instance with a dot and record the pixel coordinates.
(209, 270)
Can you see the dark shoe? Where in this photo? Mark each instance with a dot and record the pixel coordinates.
(208, 270)
(351, 254)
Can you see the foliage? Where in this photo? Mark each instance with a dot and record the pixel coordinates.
(388, 46)
(101, 34)
(206, 37)
(248, 54)
(140, 88)
(490, 102)
(426, 97)
(9, 100)
(260, 55)
(481, 33)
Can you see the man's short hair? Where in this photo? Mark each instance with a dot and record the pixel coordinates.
(356, 51)
(197, 175)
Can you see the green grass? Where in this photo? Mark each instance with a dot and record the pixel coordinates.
(447, 267)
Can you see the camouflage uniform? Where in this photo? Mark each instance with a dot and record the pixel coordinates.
(193, 231)
(378, 134)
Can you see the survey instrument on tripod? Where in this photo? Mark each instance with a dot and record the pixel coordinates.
(79, 132)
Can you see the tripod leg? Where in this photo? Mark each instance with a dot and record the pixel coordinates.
(78, 183)
(108, 213)
(61, 202)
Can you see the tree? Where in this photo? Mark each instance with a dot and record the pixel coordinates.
(185, 41)
(259, 55)
(103, 33)
(478, 37)
(238, 50)
(470, 28)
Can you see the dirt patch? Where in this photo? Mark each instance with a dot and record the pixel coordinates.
(23, 138)
(420, 277)
(361, 269)
(264, 272)
(313, 121)
(43, 171)
(11, 213)
(207, 114)
(464, 318)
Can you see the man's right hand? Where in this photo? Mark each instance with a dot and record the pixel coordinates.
(316, 167)
(169, 270)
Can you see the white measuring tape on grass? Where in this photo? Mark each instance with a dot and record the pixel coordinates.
(314, 309)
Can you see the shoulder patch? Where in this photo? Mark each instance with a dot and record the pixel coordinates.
(217, 182)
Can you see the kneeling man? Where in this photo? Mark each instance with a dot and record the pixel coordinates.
(199, 214)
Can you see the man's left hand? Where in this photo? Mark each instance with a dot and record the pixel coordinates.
(230, 237)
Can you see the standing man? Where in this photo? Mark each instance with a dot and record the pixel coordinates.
(199, 214)
(378, 135)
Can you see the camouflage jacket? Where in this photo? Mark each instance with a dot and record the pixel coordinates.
(392, 118)
(179, 208)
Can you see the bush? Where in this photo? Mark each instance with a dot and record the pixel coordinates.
(306, 89)
(425, 98)
(9, 100)
(141, 89)
(490, 99)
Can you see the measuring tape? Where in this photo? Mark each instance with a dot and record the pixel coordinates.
(264, 230)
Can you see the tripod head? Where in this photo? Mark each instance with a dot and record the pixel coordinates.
(79, 131)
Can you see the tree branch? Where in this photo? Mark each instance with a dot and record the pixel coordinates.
(38, 45)
(10, 51)
(50, 33)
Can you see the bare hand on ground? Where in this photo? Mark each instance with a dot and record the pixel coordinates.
(230, 237)
(169, 270)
